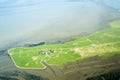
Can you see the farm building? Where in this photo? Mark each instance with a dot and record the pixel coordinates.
(46, 51)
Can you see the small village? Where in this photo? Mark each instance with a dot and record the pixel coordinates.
(46, 52)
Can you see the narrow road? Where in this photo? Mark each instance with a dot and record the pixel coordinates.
(49, 67)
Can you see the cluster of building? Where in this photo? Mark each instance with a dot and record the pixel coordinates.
(46, 52)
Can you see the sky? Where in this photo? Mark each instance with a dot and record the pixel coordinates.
(44, 19)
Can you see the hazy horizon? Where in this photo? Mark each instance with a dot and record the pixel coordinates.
(40, 20)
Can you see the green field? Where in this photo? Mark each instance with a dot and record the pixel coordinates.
(104, 43)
